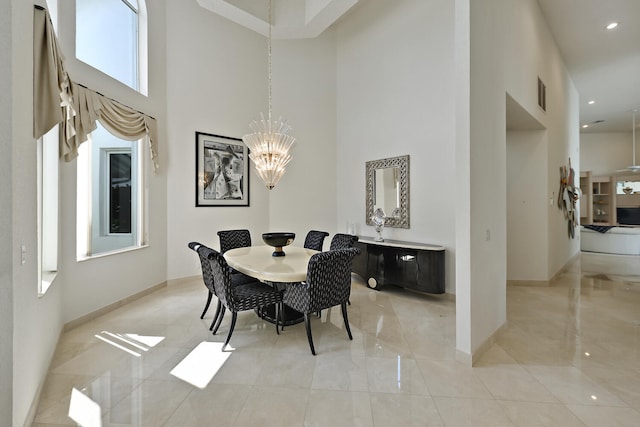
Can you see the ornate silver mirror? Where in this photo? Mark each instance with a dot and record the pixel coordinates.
(387, 182)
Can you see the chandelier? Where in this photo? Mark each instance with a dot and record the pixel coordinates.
(270, 142)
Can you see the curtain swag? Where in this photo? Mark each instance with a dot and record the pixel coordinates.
(58, 99)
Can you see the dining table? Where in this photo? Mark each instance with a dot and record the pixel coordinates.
(258, 262)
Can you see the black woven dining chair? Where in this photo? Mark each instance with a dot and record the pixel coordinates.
(237, 298)
(231, 239)
(328, 284)
(207, 278)
(342, 241)
(315, 240)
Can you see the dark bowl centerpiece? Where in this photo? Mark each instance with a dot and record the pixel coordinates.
(278, 240)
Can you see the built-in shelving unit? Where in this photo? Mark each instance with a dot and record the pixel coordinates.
(586, 204)
(601, 198)
(628, 209)
(603, 193)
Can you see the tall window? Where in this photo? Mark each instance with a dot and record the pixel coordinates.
(47, 209)
(108, 38)
(111, 37)
(111, 202)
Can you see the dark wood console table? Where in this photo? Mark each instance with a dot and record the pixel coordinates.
(409, 265)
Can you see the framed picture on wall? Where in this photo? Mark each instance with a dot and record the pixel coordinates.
(222, 171)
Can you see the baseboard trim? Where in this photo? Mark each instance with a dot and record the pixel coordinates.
(538, 283)
(182, 280)
(471, 359)
(543, 283)
(97, 313)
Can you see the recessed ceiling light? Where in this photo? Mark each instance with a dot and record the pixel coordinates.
(591, 102)
(585, 126)
(612, 26)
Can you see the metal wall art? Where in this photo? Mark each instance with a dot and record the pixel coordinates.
(568, 195)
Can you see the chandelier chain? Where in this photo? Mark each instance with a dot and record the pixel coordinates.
(269, 61)
(270, 142)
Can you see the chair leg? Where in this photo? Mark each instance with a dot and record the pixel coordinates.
(233, 325)
(346, 320)
(215, 316)
(307, 325)
(222, 311)
(283, 317)
(206, 307)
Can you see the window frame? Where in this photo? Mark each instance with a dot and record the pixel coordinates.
(140, 35)
(92, 219)
(48, 209)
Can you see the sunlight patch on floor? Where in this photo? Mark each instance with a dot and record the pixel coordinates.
(202, 364)
(83, 410)
(125, 341)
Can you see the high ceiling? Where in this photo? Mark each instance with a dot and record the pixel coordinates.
(604, 65)
(292, 19)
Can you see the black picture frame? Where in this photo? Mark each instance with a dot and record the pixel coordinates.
(222, 171)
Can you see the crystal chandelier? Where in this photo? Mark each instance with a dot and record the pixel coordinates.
(270, 142)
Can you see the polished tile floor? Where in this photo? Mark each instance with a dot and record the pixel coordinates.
(569, 356)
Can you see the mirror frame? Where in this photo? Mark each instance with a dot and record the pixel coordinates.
(402, 163)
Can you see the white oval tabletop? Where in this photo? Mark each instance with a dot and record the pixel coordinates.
(257, 261)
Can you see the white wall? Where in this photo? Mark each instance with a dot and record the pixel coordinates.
(95, 283)
(510, 47)
(527, 205)
(6, 193)
(216, 89)
(33, 347)
(605, 153)
(79, 288)
(304, 91)
(395, 97)
(462, 92)
(216, 83)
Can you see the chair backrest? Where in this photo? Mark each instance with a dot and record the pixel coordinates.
(231, 239)
(207, 275)
(315, 239)
(343, 241)
(220, 272)
(329, 278)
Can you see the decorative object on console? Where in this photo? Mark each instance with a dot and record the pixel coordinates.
(378, 220)
(270, 141)
(387, 183)
(568, 196)
(627, 190)
(278, 240)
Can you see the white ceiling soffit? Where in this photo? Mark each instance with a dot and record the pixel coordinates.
(519, 119)
(292, 19)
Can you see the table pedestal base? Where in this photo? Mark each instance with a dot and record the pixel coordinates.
(291, 316)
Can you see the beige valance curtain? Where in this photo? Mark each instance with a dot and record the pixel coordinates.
(57, 99)
(88, 106)
(50, 79)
